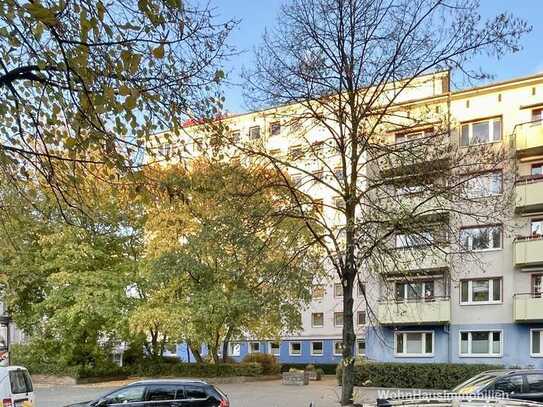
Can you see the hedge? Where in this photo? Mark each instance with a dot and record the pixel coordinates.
(326, 368)
(268, 362)
(196, 370)
(414, 375)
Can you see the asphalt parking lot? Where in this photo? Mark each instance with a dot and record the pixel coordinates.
(262, 394)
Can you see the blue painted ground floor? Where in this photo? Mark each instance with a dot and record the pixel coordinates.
(519, 345)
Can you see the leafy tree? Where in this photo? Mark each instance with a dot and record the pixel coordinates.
(226, 259)
(86, 82)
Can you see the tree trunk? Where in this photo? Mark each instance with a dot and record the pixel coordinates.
(347, 382)
(225, 344)
(195, 352)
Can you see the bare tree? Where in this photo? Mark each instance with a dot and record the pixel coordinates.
(344, 73)
(89, 82)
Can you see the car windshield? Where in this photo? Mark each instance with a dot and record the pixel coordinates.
(475, 384)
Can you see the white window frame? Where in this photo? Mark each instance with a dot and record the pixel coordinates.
(470, 239)
(358, 318)
(254, 129)
(414, 355)
(252, 343)
(231, 349)
(272, 125)
(334, 347)
(317, 354)
(342, 320)
(313, 325)
(270, 349)
(481, 180)
(540, 332)
(406, 286)
(290, 348)
(357, 347)
(479, 355)
(490, 291)
(336, 294)
(491, 138)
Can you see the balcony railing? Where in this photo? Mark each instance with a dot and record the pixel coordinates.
(529, 138)
(529, 193)
(528, 251)
(431, 257)
(528, 307)
(434, 310)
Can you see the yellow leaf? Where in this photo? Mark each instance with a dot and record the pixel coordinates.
(40, 13)
(124, 90)
(158, 52)
(101, 10)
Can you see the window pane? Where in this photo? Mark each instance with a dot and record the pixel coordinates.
(465, 135)
(414, 343)
(480, 343)
(361, 317)
(464, 338)
(295, 348)
(317, 348)
(465, 291)
(429, 289)
(497, 135)
(535, 383)
(480, 238)
(160, 393)
(429, 343)
(193, 392)
(338, 347)
(400, 290)
(480, 133)
(496, 290)
(536, 342)
(496, 237)
(480, 290)
(129, 394)
(338, 318)
(361, 347)
(496, 342)
(399, 343)
(318, 319)
(338, 290)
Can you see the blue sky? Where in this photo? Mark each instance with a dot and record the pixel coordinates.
(256, 15)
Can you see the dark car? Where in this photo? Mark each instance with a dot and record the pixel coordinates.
(162, 393)
(514, 384)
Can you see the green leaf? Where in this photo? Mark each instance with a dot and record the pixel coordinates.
(158, 52)
(43, 14)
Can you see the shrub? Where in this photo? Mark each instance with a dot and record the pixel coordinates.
(326, 368)
(414, 375)
(196, 370)
(268, 362)
(310, 368)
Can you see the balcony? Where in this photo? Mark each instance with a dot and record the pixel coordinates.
(529, 194)
(405, 159)
(528, 307)
(528, 251)
(529, 139)
(418, 312)
(418, 258)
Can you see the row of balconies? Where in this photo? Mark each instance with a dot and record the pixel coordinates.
(526, 308)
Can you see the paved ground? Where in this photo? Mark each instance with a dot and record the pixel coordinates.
(255, 394)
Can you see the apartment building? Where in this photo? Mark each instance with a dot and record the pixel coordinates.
(489, 311)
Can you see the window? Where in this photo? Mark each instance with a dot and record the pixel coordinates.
(486, 131)
(275, 129)
(537, 169)
(338, 290)
(317, 348)
(338, 172)
(235, 136)
(317, 320)
(195, 393)
(414, 343)
(295, 348)
(535, 383)
(422, 238)
(536, 342)
(338, 348)
(361, 347)
(131, 394)
(295, 152)
(415, 291)
(536, 226)
(537, 115)
(338, 318)
(339, 203)
(275, 348)
(254, 347)
(485, 291)
(20, 381)
(488, 184)
(163, 392)
(234, 348)
(360, 289)
(361, 318)
(481, 343)
(410, 189)
(510, 384)
(481, 238)
(254, 133)
(537, 285)
(318, 291)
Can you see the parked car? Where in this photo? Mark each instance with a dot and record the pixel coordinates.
(16, 389)
(513, 383)
(162, 393)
